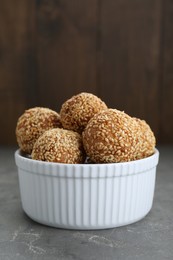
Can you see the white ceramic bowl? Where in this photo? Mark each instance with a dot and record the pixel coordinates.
(86, 196)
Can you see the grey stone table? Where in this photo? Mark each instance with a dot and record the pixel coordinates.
(21, 238)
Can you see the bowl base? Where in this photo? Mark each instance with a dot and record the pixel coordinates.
(61, 226)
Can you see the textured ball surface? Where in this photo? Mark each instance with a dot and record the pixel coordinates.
(113, 136)
(59, 145)
(147, 140)
(33, 123)
(78, 110)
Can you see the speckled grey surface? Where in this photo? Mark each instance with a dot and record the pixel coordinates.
(21, 238)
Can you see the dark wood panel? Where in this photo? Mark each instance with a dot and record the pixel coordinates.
(12, 105)
(12, 34)
(15, 49)
(67, 32)
(166, 71)
(120, 50)
(129, 57)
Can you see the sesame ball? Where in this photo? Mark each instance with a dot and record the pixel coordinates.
(147, 140)
(33, 123)
(113, 136)
(59, 145)
(78, 110)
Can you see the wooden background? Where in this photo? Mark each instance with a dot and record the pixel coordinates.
(120, 50)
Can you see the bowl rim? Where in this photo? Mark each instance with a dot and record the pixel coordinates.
(19, 156)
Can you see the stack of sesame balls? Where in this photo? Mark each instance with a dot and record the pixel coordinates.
(84, 130)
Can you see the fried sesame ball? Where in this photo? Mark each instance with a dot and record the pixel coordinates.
(113, 136)
(78, 110)
(59, 145)
(147, 140)
(33, 123)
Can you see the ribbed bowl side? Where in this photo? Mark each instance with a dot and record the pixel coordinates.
(86, 203)
(86, 196)
(132, 197)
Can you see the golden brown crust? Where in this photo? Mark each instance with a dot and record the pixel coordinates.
(113, 136)
(32, 124)
(59, 145)
(78, 110)
(148, 141)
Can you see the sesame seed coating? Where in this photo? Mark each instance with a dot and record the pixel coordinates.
(78, 110)
(113, 136)
(59, 145)
(33, 123)
(148, 143)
